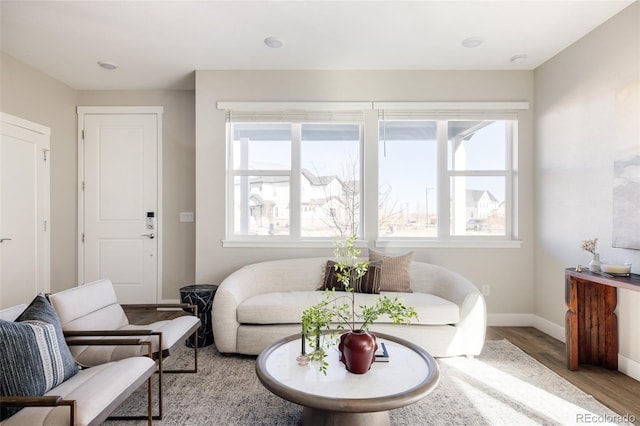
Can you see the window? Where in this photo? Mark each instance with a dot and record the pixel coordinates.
(479, 172)
(445, 173)
(445, 179)
(295, 180)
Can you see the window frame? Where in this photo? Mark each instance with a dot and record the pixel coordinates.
(445, 236)
(369, 167)
(294, 174)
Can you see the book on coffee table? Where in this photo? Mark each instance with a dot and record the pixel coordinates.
(381, 354)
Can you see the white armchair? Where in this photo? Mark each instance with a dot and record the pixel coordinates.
(93, 310)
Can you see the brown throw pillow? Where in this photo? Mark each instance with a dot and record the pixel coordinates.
(395, 271)
(369, 283)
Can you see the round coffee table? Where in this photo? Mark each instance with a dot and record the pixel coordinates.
(343, 398)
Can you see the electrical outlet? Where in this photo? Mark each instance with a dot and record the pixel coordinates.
(486, 290)
(186, 216)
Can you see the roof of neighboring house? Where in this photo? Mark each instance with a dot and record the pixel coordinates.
(474, 195)
(313, 179)
(319, 180)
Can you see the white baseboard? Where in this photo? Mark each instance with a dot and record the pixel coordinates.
(552, 329)
(526, 320)
(629, 367)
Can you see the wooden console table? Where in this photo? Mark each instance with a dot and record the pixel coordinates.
(591, 326)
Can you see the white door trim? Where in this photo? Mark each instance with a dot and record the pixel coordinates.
(85, 110)
(44, 285)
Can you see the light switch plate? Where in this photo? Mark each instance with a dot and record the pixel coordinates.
(186, 216)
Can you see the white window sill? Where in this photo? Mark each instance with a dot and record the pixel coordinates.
(467, 243)
(406, 243)
(258, 243)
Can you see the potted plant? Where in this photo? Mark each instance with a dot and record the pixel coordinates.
(338, 312)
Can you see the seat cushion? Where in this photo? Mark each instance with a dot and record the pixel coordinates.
(10, 314)
(96, 390)
(287, 307)
(277, 307)
(174, 332)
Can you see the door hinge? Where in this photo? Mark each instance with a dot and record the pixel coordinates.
(45, 226)
(82, 134)
(45, 153)
(83, 237)
(83, 185)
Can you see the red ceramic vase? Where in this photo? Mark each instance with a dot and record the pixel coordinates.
(358, 350)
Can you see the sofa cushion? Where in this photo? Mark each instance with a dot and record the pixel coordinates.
(287, 307)
(92, 306)
(10, 314)
(431, 309)
(97, 391)
(395, 270)
(172, 333)
(34, 356)
(278, 307)
(369, 283)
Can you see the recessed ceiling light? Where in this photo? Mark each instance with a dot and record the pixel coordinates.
(472, 42)
(108, 65)
(518, 59)
(274, 42)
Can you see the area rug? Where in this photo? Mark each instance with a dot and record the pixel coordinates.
(502, 386)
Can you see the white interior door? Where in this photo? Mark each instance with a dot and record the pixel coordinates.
(24, 210)
(120, 202)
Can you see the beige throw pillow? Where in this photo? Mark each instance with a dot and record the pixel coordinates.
(394, 274)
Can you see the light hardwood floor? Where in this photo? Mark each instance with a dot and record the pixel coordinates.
(617, 391)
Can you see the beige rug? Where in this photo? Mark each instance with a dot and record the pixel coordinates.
(503, 386)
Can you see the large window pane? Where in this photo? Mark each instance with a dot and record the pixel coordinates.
(330, 180)
(477, 145)
(261, 146)
(477, 205)
(407, 193)
(261, 205)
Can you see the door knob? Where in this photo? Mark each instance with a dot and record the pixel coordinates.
(2, 240)
(151, 236)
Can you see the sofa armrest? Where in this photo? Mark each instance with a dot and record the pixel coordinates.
(237, 287)
(31, 401)
(159, 306)
(83, 338)
(106, 333)
(42, 401)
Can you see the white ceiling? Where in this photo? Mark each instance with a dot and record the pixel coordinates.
(159, 44)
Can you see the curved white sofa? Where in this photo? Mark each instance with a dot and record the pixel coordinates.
(263, 302)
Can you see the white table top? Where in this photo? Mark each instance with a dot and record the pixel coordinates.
(409, 375)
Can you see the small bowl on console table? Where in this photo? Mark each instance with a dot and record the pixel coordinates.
(616, 270)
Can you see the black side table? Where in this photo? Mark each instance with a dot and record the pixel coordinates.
(202, 296)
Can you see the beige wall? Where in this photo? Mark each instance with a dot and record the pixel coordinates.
(178, 175)
(32, 95)
(576, 143)
(508, 271)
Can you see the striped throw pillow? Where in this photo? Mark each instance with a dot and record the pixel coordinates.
(34, 358)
